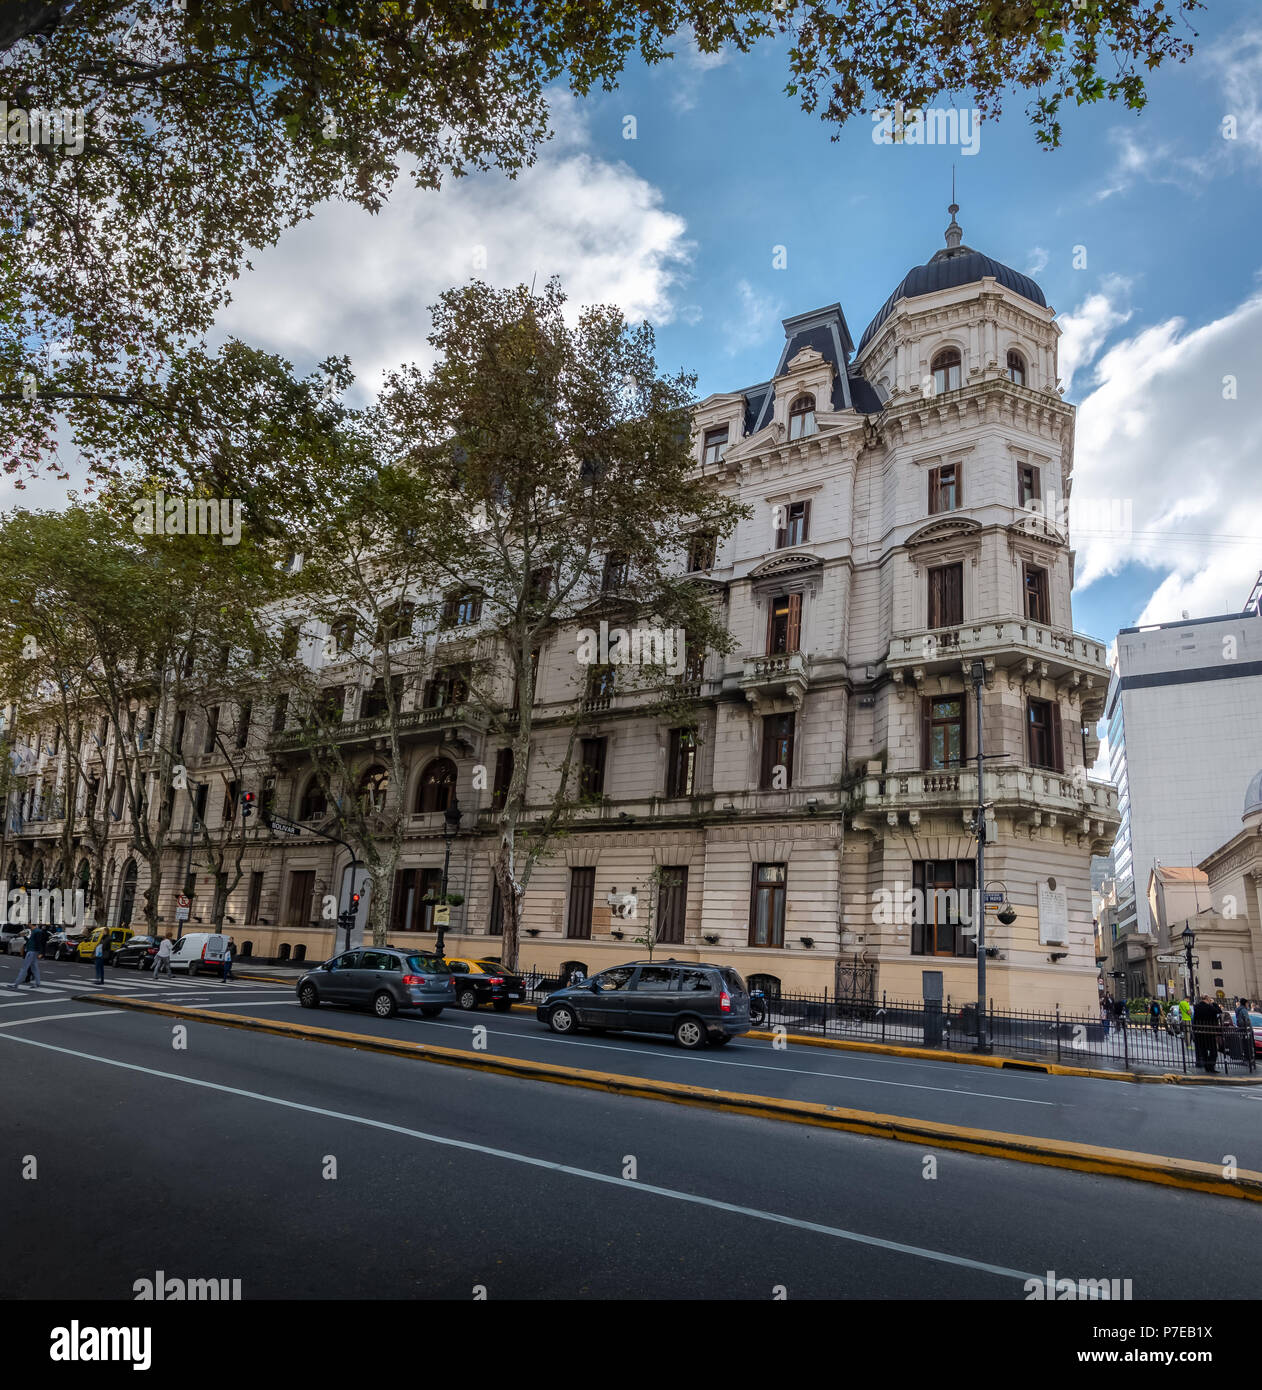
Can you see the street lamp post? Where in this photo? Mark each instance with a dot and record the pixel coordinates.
(979, 907)
(1188, 937)
(451, 828)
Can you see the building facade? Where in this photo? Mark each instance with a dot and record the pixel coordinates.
(815, 825)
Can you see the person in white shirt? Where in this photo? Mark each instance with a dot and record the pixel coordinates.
(163, 959)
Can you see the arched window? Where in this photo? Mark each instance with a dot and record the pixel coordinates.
(802, 417)
(374, 787)
(315, 803)
(946, 371)
(437, 786)
(769, 984)
(127, 899)
(1016, 368)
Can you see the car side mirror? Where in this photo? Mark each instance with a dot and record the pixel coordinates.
(328, 965)
(593, 986)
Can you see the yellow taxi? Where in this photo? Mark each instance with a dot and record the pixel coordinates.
(87, 947)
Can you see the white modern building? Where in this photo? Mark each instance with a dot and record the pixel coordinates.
(1185, 735)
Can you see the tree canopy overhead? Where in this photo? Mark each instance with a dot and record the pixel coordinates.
(184, 135)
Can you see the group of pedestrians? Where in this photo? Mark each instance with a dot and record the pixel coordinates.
(37, 940)
(1215, 1029)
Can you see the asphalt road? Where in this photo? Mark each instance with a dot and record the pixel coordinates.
(312, 1171)
(1200, 1122)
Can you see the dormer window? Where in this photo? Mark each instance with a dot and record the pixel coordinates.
(802, 417)
(1016, 368)
(946, 371)
(715, 445)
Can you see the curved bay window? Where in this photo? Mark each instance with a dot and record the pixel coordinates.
(1016, 368)
(437, 786)
(374, 787)
(946, 371)
(315, 803)
(802, 417)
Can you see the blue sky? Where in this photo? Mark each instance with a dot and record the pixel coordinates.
(678, 226)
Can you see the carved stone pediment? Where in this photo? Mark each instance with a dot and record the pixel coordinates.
(950, 528)
(788, 562)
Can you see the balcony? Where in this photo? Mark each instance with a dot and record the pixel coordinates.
(781, 677)
(418, 723)
(1030, 796)
(1071, 658)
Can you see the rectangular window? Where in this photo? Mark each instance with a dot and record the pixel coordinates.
(578, 916)
(289, 642)
(301, 888)
(1044, 736)
(199, 802)
(715, 444)
(784, 625)
(672, 903)
(230, 802)
(943, 907)
(1028, 484)
(539, 585)
(534, 681)
(591, 767)
(797, 525)
(404, 902)
(460, 610)
(946, 596)
(280, 713)
(945, 494)
(942, 732)
(503, 778)
(212, 729)
(766, 912)
(243, 723)
(177, 736)
(777, 752)
(1036, 606)
(495, 927)
(614, 577)
(255, 899)
(681, 764)
(701, 551)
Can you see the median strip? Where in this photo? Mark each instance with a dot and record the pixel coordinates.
(1055, 1153)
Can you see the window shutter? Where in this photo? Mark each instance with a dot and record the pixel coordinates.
(1058, 747)
(806, 520)
(959, 485)
(924, 731)
(768, 740)
(935, 598)
(933, 491)
(795, 622)
(955, 591)
(771, 625)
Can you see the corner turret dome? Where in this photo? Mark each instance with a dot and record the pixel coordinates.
(954, 265)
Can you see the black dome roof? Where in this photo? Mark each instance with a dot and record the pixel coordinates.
(956, 265)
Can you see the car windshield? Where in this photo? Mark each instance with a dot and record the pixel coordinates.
(430, 963)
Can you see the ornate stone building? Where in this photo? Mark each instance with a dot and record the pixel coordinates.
(816, 829)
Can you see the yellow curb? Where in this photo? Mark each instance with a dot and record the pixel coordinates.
(1188, 1174)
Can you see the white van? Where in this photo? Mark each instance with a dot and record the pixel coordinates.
(197, 949)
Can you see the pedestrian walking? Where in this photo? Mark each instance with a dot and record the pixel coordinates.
(36, 939)
(101, 955)
(227, 961)
(1205, 1020)
(1106, 1013)
(1244, 1027)
(162, 961)
(1154, 1015)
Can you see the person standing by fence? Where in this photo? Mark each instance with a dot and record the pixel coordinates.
(1154, 1015)
(1205, 1021)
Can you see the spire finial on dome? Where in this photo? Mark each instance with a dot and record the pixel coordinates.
(954, 233)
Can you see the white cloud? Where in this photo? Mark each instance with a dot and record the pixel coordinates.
(1154, 162)
(1085, 328)
(756, 319)
(1036, 260)
(1157, 433)
(688, 69)
(348, 282)
(1238, 60)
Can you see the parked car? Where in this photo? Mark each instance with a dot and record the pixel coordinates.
(138, 952)
(384, 979)
(197, 950)
(1255, 1022)
(485, 982)
(63, 946)
(695, 1002)
(118, 935)
(13, 939)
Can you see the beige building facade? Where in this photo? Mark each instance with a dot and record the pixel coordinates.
(906, 545)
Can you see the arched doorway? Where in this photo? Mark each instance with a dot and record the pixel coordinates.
(127, 898)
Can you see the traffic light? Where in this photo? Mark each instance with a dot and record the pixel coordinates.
(355, 904)
(247, 805)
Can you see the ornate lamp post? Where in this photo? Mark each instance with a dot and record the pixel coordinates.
(1188, 937)
(451, 828)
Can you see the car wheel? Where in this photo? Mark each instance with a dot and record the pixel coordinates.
(721, 1039)
(383, 1004)
(431, 1012)
(502, 1006)
(467, 999)
(309, 997)
(562, 1020)
(689, 1033)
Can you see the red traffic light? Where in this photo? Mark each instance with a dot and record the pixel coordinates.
(247, 804)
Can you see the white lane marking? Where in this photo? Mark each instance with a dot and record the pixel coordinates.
(680, 1056)
(48, 1018)
(776, 1218)
(27, 1003)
